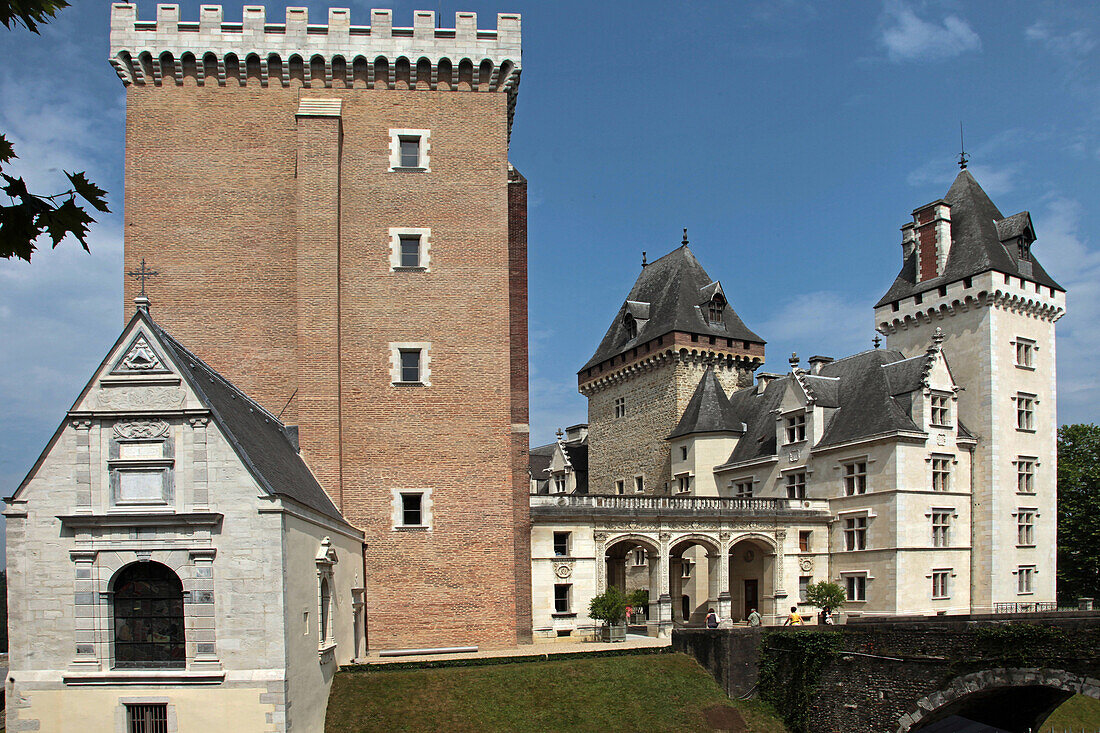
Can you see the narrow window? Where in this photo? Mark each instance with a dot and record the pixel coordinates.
(620, 487)
(743, 489)
(804, 540)
(855, 533)
(685, 568)
(1025, 411)
(855, 478)
(1025, 475)
(796, 428)
(714, 310)
(559, 484)
(683, 453)
(941, 528)
(562, 594)
(856, 587)
(804, 587)
(631, 326)
(941, 411)
(410, 365)
(1025, 353)
(410, 250)
(1025, 575)
(796, 485)
(561, 544)
(639, 556)
(620, 407)
(639, 484)
(411, 506)
(410, 151)
(147, 718)
(939, 584)
(684, 484)
(941, 473)
(326, 600)
(1025, 528)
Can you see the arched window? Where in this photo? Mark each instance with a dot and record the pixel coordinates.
(326, 600)
(714, 309)
(148, 617)
(631, 326)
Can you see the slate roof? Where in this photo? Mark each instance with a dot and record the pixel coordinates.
(870, 393)
(978, 230)
(670, 291)
(708, 410)
(263, 443)
(539, 459)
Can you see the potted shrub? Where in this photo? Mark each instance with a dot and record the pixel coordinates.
(610, 607)
(826, 596)
(638, 601)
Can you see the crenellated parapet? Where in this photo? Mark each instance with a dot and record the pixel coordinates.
(295, 52)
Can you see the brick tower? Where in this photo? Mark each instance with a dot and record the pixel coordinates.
(675, 322)
(339, 231)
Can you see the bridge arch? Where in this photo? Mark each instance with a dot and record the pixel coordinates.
(1015, 699)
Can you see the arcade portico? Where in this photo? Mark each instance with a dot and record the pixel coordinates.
(691, 553)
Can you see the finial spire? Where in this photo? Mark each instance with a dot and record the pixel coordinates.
(793, 361)
(876, 341)
(560, 433)
(142, 274)
(685, 240)
(938, 336)
(963, 155)
(644, 263)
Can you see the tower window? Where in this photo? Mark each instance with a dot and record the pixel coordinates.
(561, 544)
(796, 428)
(1025, 528)
(410, 251)
(1025, 353)
(855, 478)
(855, 534)
(410, 365)
(410, 151)
(714, 309)
(620, 407)
(1025, 579)
(1024, 250)
(941, 528)
(639, 484)
(1025, 475)
(562, 597)
(412, 505)
(1025, 411)
(796, 485)
(939, 583)
(631, 326)
(856, 587)
(941, 473)
(941, 411)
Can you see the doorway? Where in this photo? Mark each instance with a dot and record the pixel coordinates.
(752, 598)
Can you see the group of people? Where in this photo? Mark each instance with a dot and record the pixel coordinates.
(794, 618)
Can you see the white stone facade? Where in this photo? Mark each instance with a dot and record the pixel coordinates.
(250, 564)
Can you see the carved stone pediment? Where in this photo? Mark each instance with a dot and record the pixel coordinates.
(140, 358)
(140, 429)
(140, 398)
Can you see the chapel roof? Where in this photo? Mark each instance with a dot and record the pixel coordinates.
(708, 410)
(670, 294)
(265, 446)
(978, 233)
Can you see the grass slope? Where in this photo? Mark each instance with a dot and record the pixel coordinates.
(1079, 713)
(667, 692)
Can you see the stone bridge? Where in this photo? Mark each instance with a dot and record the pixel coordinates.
(907, 674)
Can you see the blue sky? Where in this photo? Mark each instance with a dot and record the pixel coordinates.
(793, 139)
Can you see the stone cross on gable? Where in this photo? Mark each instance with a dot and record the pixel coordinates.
(142, 274)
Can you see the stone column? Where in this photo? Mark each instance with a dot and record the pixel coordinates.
(664, 601)
(601, 562)
(91, 643)
(779, 594)
(725, 600)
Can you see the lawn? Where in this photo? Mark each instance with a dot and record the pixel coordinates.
(1079, 713)
(652, 693)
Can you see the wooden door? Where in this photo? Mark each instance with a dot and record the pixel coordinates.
(752, 600)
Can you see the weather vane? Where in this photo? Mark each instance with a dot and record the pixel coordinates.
(963, 155)
(876, 341)
(142, 274)
(685, 241)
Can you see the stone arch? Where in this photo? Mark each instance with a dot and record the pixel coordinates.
(168, 67)
(423, 73)
(757, 537)
(402, 70)
(296, 69)
(444, 70)
(145, 61)
(694, 538)
(275, 69)
(210, 67)
(484, 75)
(649, 543)
(233, 68)
(504, 79)
(360, 72)
(253, 69)
(340, 72)
(993, 687)
(382, 73)
(465, 75)
(317, 71)
(189, 67)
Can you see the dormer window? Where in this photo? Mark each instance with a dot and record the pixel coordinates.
(631, 325)
(1024, 250)
(796, 428)
(715, 308)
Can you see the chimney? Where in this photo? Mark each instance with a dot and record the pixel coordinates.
(932, 234)
(763, 379)
(908, 241)
(817, 362)
(575, 433)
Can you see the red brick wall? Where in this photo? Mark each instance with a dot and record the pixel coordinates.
(220, 182)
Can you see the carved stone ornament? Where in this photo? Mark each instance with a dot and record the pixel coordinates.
(665, 536)
(600, 536)
(780, 534)
(749, 556)
(140, 398)
(135, 429)
(562, 570)
(941, 439)
(140, 357)
(793, 456)
(806, 564)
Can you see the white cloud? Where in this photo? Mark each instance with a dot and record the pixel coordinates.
(828, 322)
(907, 37)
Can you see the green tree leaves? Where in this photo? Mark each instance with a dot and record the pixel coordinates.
(1078, 513)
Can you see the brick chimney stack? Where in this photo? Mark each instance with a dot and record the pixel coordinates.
(931, 230)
